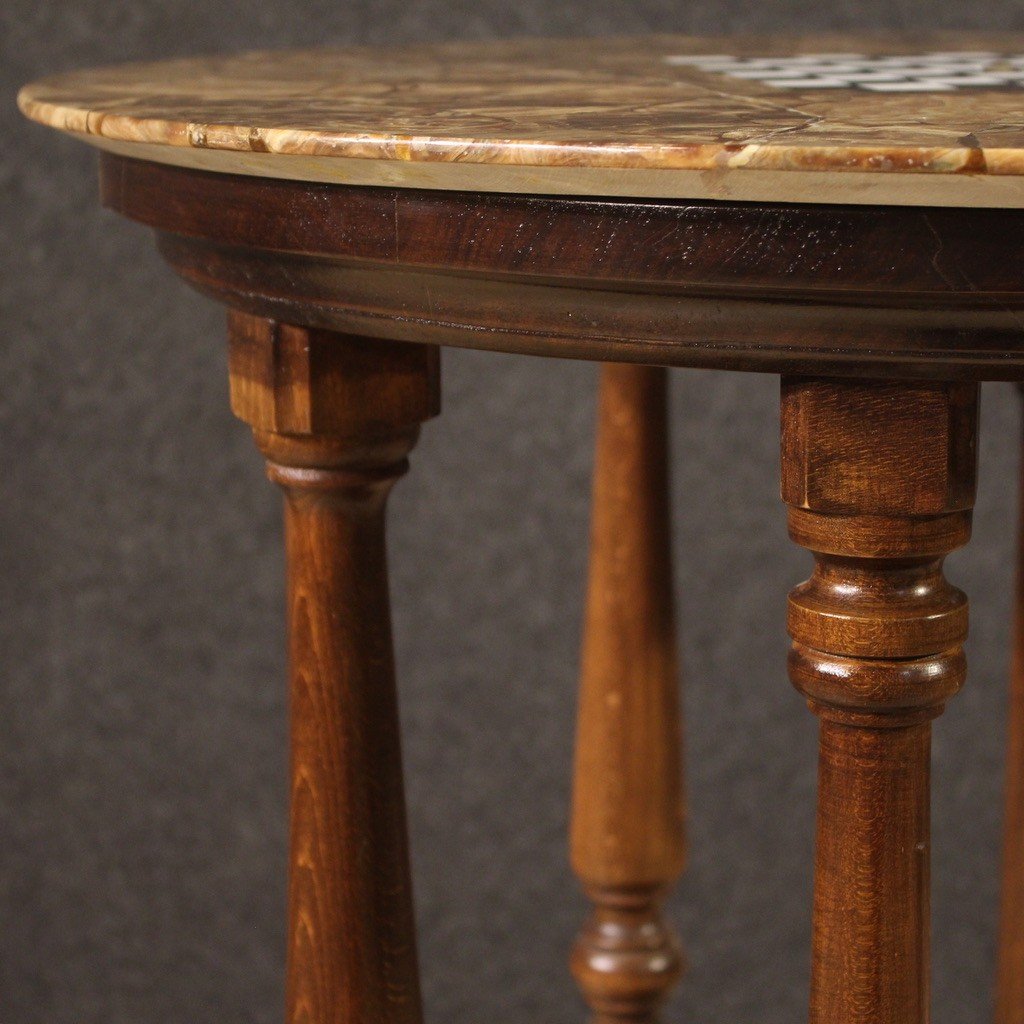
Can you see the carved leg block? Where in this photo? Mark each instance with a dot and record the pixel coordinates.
(879, 478)
(627, 825)
(336, 417)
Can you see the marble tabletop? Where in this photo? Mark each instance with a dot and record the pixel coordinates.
(923, 120)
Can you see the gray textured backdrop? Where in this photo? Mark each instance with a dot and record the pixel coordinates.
(142, 738)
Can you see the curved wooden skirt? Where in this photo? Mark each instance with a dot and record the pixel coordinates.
(844, 290)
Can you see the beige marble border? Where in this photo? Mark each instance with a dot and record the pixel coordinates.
(738, 185)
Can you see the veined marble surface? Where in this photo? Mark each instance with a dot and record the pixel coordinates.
(924, 120)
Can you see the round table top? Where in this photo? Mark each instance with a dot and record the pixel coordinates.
(934, 120)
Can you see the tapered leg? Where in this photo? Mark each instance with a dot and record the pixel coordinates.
(627, 825)
(336, 417)
(879, 478)
(1010, 974)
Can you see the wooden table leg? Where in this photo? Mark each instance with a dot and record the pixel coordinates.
(627, 825)
(336, 417)
(1010, 971)
(879, 478)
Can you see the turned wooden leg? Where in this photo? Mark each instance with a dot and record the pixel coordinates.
(879, 478)
(336, 417)
(627, 825)
(1010, 972)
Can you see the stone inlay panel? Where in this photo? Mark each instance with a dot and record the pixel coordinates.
(926, 72)
(930, 121)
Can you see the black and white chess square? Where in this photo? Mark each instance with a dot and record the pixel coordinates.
(928, 72)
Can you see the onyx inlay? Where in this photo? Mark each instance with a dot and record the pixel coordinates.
(823, 119)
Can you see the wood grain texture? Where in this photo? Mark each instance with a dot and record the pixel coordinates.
(1010, 967)
(340, 295)
(628, 841)
(336, 419)
(862, 254)
(877, 650)
(848, 291)
(641, 106)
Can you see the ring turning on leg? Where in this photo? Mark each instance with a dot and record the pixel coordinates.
(628, 843)
(879, 478)
(336, 417)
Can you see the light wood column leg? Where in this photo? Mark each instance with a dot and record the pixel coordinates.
(627, 824)
(879, 478)
(1010, 970)
(336, 417)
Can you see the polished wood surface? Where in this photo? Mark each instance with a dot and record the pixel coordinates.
(811, 289)
(628, 842)
(882, 302)
(880, 483)
(924, 120)
(336, 418)
(1010, 967)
